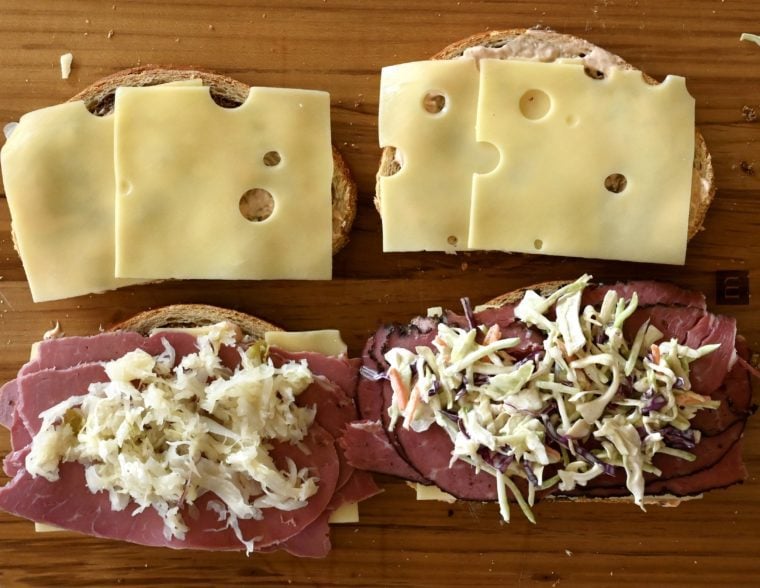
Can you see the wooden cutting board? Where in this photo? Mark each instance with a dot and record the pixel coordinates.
(340, 46)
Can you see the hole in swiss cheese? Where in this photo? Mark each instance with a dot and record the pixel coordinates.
(615, 183)
(535, 104)
(256, 205)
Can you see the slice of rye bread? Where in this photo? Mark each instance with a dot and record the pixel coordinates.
(193, 315)
(552, 46)
(228, 93)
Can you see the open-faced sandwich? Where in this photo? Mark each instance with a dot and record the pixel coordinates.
(566, 390)
(191, 427)
(539, 142)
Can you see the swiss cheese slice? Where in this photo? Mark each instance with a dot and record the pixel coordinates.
(534, 181)
(426, 204)
(548, 194)
(58, 172)
(183, 164)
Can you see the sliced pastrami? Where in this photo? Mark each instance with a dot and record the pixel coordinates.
(67, 503)
(429, 453)
(72, 351)
(313, 541)
(708, 452)
(649, 293)
(367, 447)
(334, 403)
(735, 397)
(674, 322)
(708, 372)
(360, 486)
(729, 470)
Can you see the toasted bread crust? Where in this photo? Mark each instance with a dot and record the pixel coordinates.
(229, 93)
(193, 315)
(703, 179)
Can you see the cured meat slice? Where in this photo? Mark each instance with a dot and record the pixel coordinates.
(8, 399)
(332, 393)
(728, 471)
(71, 351)
(38, 391)
(649, 293)
(366, 446)
(709, 372)
(340, 370)
(430, 453)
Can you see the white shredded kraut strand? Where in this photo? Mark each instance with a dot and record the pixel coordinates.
(585, 402)
(159, 436)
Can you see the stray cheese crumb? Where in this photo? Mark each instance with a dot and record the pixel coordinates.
(66, 60)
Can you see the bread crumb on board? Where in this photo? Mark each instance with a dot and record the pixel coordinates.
(66, 60)
(749, 113)
(747, 168)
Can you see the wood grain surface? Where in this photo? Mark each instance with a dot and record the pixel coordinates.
(340, 46)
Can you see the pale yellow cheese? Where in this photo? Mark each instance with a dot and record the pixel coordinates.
(537, 185)
(432, 493)
(426, 204)
(182, 165)
(58, 173)
(346, 513)
(548, 193)
(43, 528)
(326, 342)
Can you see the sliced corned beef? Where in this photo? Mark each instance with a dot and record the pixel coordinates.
(67, 503)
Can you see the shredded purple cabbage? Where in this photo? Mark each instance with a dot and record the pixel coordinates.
(529, 472)
(497, 459)
(468, 312)
(370, 374)
(435, 388)
(589, 457)
(556, 437)
(481, 379)
(462, 390)
(451, 415)
(678, 439)
(654, 402)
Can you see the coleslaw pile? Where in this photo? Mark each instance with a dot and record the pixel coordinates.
(584, 404)
(162, 436)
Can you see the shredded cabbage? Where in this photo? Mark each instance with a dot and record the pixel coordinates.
(160, 436)
(584, 403)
